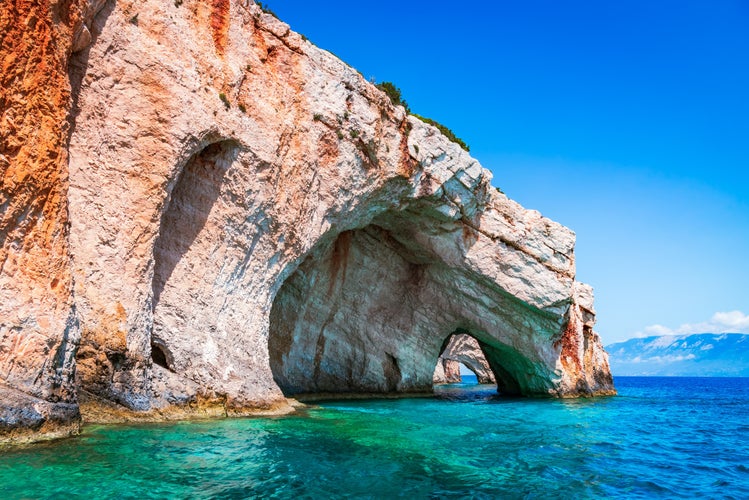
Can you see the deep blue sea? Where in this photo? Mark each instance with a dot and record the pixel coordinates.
(660, 438)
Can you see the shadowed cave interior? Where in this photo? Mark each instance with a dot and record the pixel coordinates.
(367, 310)
(193, 195)
(367, 314)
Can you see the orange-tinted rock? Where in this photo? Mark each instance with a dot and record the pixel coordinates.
(219, 166)
(38, 331)
(220, 23)
(38, 323)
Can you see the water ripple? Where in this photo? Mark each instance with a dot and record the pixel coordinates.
(661, 438)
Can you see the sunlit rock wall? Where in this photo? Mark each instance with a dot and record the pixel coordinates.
(218, 166)
(38, 323)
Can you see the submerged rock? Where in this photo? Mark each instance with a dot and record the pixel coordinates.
(239, 217)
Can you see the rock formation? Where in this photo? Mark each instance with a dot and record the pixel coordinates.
(447, 371)
(462, 348)
(38, 322)
(201, 209)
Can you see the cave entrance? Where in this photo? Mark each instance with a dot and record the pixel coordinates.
(344, 321)
(466, 372)
(159, 356)
(462, 354)
(363, 314)
(177, 252)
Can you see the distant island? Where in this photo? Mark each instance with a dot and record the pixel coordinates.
(696, 355)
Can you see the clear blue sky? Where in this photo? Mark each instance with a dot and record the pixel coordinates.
(626, 121)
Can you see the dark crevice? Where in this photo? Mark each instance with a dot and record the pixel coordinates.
(392, 372)
(159, 357)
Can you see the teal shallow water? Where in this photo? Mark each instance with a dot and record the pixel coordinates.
(661, 437)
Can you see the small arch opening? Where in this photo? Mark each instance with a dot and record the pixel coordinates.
(159, 356)
(463, 356)
(467, 376)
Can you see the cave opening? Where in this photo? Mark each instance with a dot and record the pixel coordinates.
(363, 312)
(158, 356)
(462, 354)
(343, 321)
(466, 372)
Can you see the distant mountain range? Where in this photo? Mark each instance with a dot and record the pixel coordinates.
(696, 355)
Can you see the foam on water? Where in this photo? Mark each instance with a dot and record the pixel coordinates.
(661, 437)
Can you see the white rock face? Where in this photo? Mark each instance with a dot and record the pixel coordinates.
(250, 212)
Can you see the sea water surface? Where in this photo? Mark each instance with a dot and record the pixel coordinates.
(660, 438)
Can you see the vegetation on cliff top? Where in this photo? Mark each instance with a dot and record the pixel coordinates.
(264, 7)
(395, 96)
(445, 131)
(394, 93)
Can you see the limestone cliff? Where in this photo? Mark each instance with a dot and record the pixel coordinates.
(38, 323)
(201, 209)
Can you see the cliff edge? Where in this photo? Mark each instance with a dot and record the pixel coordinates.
(202, 212)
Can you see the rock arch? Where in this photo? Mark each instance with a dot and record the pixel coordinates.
(333, 193)
(461, 347)
(361, 314)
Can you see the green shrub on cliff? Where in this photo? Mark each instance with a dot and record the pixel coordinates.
(394, 93)
(445, 131)
(264, 7)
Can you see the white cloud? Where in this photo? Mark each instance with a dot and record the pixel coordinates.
(733, 319)
(658, 330)
(662, 359)
(721, 322)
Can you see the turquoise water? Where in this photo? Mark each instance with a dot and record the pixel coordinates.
(661, 437)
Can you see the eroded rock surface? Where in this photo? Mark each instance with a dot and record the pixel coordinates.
(38, 322)
(251, 214)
